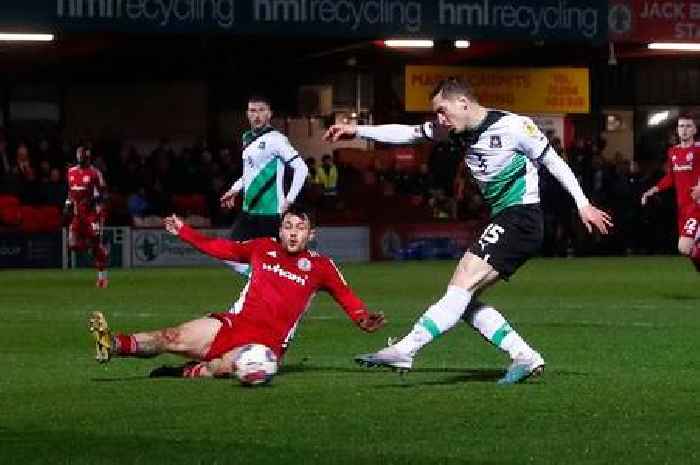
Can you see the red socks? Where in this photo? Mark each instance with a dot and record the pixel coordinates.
(125, 345)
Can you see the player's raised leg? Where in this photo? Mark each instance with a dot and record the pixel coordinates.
(191, 339)
(472, 274)
(493, 326)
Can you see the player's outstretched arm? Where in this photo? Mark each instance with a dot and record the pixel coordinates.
(386, 133)
(340, 132)
(223, 249)
(591, 216)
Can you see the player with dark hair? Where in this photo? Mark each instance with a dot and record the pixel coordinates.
(683, 174)
(285, 275)
(266, 154)
(85, 211)
(502, 151)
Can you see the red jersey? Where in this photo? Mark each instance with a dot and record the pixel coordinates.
(281, 285)
(84, 185)
(682, 172)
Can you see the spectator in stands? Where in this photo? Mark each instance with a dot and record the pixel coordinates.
(327, 176)
(6, 165)
(580, 159)
(44, 171)
(24, 163)
(312, 177)
(54, 190)
(45, 152)
(138, 203)
(443, 163)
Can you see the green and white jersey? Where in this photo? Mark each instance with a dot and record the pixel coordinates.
(266, 152)
(502, 154)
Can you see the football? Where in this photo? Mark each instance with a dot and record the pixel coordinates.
(255, 364)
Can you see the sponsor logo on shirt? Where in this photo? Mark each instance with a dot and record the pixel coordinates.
(278, 270)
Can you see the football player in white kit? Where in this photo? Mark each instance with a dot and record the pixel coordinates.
(502, 151)
(266, 154)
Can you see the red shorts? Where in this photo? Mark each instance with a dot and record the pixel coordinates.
(85, 227)
(235, 334)
(689, 221)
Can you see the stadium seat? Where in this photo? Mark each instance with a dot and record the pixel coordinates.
(50, 218)
(30, 219)
(10, 215)
(7, 200)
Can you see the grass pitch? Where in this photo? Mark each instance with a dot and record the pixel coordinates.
(620, 337)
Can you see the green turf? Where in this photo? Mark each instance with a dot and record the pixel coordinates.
(620, 337)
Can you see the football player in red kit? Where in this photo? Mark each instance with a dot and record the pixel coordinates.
(285, 276)
(85, 209)
(683, 173)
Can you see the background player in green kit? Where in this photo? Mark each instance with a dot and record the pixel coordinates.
(266, 153)
(502, 151)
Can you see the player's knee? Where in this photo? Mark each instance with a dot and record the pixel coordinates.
(173, 340)
(473, 273)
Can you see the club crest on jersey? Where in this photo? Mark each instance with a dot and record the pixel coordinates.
(304, 264)
(86, 178)
(261, 145)
(495, 142)
(689, 156)
(530, 128)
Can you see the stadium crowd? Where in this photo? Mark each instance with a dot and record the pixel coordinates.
(147, 184)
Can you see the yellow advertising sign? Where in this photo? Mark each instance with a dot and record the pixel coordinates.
(521, 90)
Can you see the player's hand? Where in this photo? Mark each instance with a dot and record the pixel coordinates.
(594, 217)
(372, 322)
(228, 200)
(173, 224)
(695, 193)
(68, 212)
(647, 194)
(340, 131)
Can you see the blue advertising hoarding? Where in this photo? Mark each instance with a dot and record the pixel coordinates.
(571, 20)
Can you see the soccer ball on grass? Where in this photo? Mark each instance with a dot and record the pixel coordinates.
(255, 364)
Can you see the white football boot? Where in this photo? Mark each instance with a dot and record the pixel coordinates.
(388, 357)
(523, 367)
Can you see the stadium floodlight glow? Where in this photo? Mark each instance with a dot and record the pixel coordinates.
(15, 37)
(409, 43)
(674, 46)
(462, 44)
(658, 118)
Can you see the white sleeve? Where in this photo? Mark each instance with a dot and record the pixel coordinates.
(300, 172)
(284, 149)
(237, 186)
(529, 138)
(397, 133)
(561, 171)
